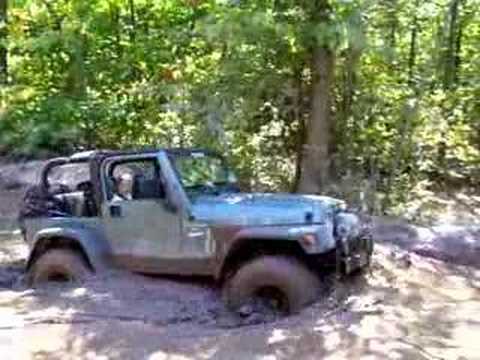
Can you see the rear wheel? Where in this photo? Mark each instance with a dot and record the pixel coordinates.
(58, 265)
(280, 282)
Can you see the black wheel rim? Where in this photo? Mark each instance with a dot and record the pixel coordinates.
(273, 299)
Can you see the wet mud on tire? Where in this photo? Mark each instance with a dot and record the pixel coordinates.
(58, 265)
(280, 280)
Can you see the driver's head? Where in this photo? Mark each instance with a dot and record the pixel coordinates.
(125, 184)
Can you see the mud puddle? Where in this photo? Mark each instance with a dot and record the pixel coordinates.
(409, 307)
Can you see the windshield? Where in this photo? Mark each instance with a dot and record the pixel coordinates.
(202, 173)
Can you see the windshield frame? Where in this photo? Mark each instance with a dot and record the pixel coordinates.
(189, 153)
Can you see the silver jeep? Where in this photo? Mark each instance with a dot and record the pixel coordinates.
(181, 212)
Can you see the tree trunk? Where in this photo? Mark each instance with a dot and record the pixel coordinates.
(413, 47)
(458, 49)
(3, 38)
(133, 21)
(350, 80)
(316, 151)
(392, 33)
(450, 58)
(300, 138)
(115, 21)
(76, 82)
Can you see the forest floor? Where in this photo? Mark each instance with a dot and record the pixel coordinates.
(421, 300)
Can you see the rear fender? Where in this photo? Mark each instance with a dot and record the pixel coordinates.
(89, 242)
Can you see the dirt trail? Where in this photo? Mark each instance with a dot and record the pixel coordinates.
(409, 307)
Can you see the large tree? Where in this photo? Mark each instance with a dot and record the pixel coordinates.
(316, 152)
(3, 40)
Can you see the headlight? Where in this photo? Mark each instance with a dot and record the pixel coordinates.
(308, 240)
(342, 231)
(347, 225)
(315, 238)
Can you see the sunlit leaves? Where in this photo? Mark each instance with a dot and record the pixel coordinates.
(235, 76)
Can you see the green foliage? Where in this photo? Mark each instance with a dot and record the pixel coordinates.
(235, 76)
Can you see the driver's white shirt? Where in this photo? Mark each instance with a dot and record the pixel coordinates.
(117, 197)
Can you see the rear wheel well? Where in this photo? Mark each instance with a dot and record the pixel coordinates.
(58, 242)
(252, 248)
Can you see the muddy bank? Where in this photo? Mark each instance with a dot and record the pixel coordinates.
(14, 180)
(451, 243)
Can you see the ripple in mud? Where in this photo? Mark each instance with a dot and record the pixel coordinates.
(128, 297)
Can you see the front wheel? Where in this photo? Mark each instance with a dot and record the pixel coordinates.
(58, 265)
(282, 281)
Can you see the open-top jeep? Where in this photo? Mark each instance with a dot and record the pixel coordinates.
(181, 212)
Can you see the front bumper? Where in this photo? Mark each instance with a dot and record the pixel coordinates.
(357, 256)
(353, 242)
(345, 243)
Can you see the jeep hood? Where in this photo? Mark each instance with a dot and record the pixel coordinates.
(263, 209)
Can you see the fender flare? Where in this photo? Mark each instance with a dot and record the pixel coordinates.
(89, 242)
(247, 236)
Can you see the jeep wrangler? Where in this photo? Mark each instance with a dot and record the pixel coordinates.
(186, 215)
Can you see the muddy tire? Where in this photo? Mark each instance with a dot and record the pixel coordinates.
(58, 265)
(280, 276)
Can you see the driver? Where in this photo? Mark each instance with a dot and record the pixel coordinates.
(124, 187)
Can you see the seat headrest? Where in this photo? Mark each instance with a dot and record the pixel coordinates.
(146, 188)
